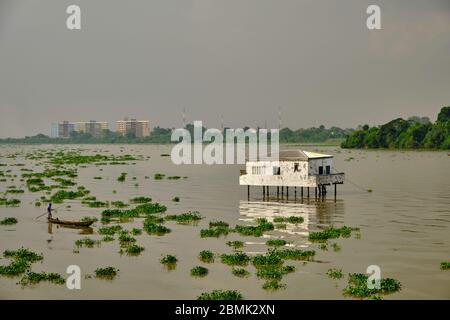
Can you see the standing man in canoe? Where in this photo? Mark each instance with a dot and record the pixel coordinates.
(49, 210)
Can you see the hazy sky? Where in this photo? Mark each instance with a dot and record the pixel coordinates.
(242, 59)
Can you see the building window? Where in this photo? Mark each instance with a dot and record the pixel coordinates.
(328, 169)
(296, 167)
(321, 170)
(276, 171)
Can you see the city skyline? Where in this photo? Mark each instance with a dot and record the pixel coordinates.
(239, 62)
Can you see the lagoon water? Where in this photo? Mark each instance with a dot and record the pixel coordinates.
(404, 223)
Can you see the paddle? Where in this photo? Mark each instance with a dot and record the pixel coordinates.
(44, 214)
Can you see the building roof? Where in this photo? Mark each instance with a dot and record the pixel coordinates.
(300, 155)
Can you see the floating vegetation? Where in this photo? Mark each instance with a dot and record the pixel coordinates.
(33, 278)
(185, 218)
(136, 231)
(10, 202)
(87, 242)
(141, 200)
(8, 221)
(159, 176)
(323, 246)
(98, 178)
(153, 228)
(15, 191)
(256, 231)
(221, 295)
(145, 208)
(165, 155)
(199, 271)
(357, 286)
(276, 243)
(335, 273)
(119, 204)
(174, 177)
(96, 204)
(240, 272)
(295, 254)
(445, 265)
(134, 250)
(280, 226)
(125, 239)
(109, 230)
(122, 177)
(235, 244)
(273, 285)
(206, 256)
(148, 208)
(85, 219)
(336, 247)
(22, 259)
(106, 273)
(108, 238)
(213, 224)
(62, 195)
(331, 233)
(214, 232)
(169, 261)
(291, 219)
(176, 199)
(270, 259)
(235, 259)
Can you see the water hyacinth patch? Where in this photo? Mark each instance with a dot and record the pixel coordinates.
(273, 285)
(235, 259)
(108, 239)
(159, 176)
(335, 273)
(23, 254)
(87, 242)
(169, 261)
(357, 286)
(199, 271)
(214, 232)
(136, 231)
(445, 265)
(270, 259)
(206, 256)
(221, 295)
(86, 219)
(32, 278)
(122, 177)
(276, 243)
(213, 224)
(10, 202)
(240, 272)
(119, 204)
(235, 244)
(176, 199)
(295, 254)
(8, 221)
(155, 229)
(141, 200)
(125, 239)
(109, 230)
(185, 218)
(106, 273)
(134, 250)
(291, 219)
(331, 233)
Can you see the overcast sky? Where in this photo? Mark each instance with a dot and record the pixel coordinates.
(242, 59)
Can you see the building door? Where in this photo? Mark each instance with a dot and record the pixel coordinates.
(328, 169)
(321, 170)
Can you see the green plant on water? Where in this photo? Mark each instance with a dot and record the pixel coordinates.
(291, 219)
(295, 254)
(270, 273)
(96, 204)
(323, 246)
(147, 208)
(109, 230)
(185, 218)
(153, 219)
(85, 219)
(358, 286)
(62, 195)
(136, 185)
(256, 231)
(159, 176)
(105, 220)
(174, 178)
(21, 260)
(114, 191)
(169, 261)
(213, 224)
(37, 204)
(221, 295)
(214, 232)
(134, 250)
(86, 242)
(240, 272)
(445, 265)
(108, 238)
(125, 239)
(235, 259)
(8, 221)
(335, 273)
(235, 244)
(199, 271)
(98, 178)
(14, 268)
(270, 259)
(331, 233)
(155, 229)
(276, 242)
(176, 199)
(165, 155)
(15, 191)
(119, 204)
(280, 226)
(336, 247)
(122, 177)
(140, 199)
(136, 231)
(10, 202)
(32, 278)
(206, 256)
(273, 285)
(106, 273)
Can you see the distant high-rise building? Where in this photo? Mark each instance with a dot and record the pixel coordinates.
(65, 128)
(140, 128)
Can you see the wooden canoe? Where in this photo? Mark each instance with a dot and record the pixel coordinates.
(71, 223)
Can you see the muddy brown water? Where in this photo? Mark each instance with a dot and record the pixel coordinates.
(404, 222)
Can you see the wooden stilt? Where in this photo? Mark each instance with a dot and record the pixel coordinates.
(295, 193)
(264, 191)
(301, 192)
(267, 191)
(308, 192)
(248, 192)
(278, 192)
(335, 191)
(315, 192)
(287, 192)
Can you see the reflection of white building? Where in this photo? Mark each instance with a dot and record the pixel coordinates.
(294, 168)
